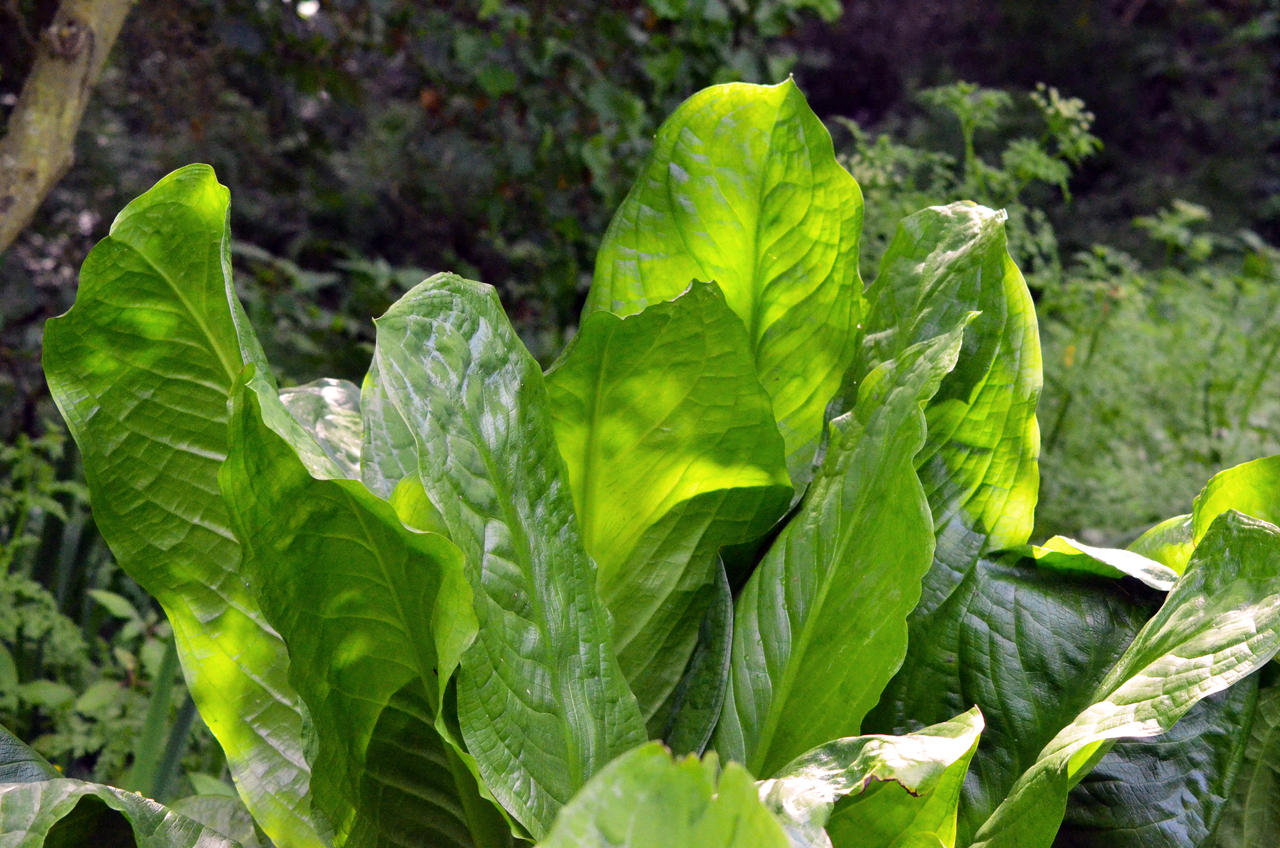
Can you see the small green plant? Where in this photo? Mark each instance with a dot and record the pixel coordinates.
(30, 488)
(1048, 141)
(753, 513)
(93, 684)
(1129, 431)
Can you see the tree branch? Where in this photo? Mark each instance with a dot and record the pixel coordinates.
(39, 142)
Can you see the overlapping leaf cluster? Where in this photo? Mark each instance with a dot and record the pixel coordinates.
(776, 521)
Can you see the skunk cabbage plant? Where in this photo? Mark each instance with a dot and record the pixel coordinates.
(748, 565)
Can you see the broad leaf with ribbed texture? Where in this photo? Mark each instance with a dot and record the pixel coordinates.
(224, 814)
(672, 453)
(388, 451)
(141, 368)
(20, 764)
(1026, 645)
(743, 188)
(1252, 817)
(646, 799)
(72, 814)
(979, 466)
(1169, 790)
(871, 791)
(38, 807)
(542, 703)
(1220, 623)
(375, 617)
(821, 625)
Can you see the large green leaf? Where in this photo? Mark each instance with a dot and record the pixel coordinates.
(542, 703)
(979, 466)
(743, 188)
(645, 799)
(672, 453)
(821, 625)
(872, 791)
(1169, 790)
(141, 368)
(1027, 645)
(40, 809)
(1220, 623)
(1253, 812)
(375, 617)
(1252, 488)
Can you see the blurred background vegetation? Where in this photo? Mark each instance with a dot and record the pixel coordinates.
(1135, 145)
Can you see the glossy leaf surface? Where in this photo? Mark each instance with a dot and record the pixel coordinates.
(1218, 625)
(743, 188)
(1168, 790)
(388, 450)
(330, 411)
(882, 788)
(1066, 554)
(979, 466)
(821, 625)
(1027, 645)
(1253, 812)
(376, 617)
(542, 703)
(40, 807)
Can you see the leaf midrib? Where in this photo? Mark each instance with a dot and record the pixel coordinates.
(523, 550)
(535, 597)
(801, 644)
(231, 370)
(590, 459)
(806, 635)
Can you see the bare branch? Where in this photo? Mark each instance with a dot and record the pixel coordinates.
(39, 142)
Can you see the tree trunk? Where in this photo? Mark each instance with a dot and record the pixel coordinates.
(39, 142)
